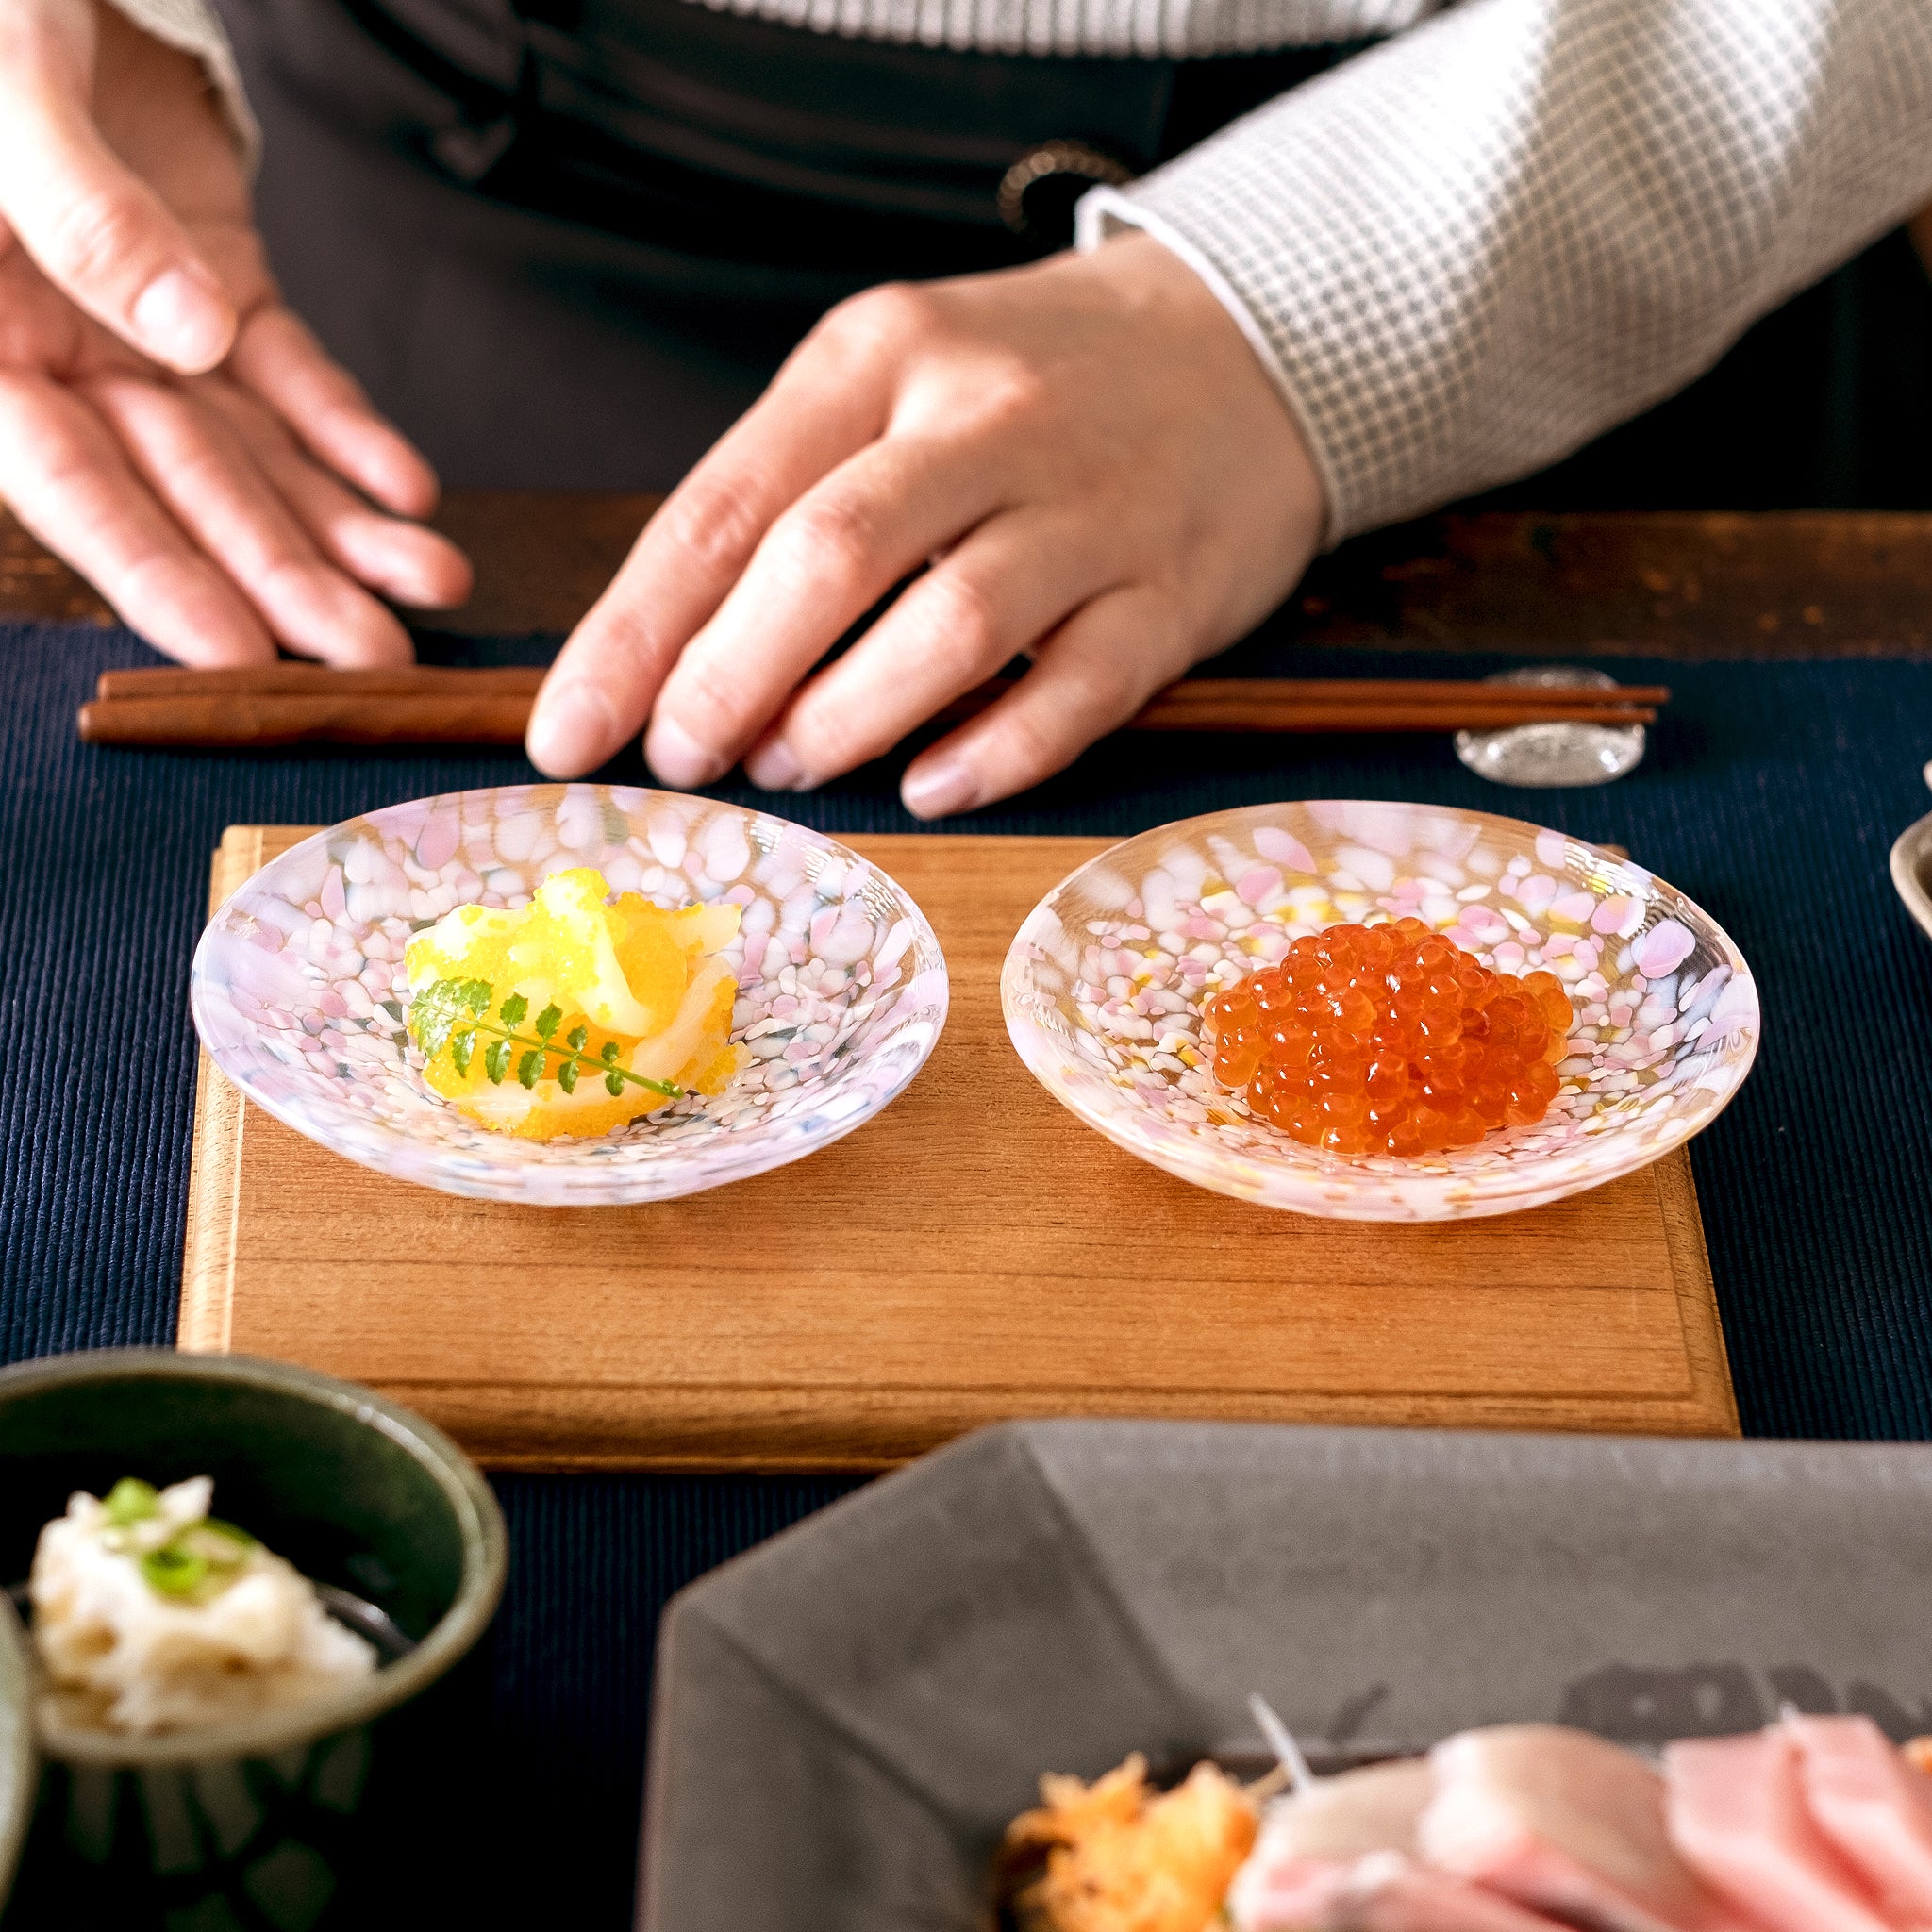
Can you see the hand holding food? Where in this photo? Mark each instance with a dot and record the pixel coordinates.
(150, 1615)
(571, 1015)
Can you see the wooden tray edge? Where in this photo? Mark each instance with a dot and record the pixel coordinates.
(215, 1195)
(726, 1431)
(1713, 1393)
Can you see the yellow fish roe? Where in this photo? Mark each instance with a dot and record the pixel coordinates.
(627, 971)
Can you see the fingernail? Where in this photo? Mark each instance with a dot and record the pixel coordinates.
(182, 320)
(679, 759)
(773, 768)
(571, 730)
(932, 791)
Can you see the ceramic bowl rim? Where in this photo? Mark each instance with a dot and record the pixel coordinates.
(1447, 1196)
(608, 1191)
(15, 1823)
(479, 1521)
(1911, 845)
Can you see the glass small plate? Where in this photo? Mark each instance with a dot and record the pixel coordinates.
(298, 992)
(1102, 987)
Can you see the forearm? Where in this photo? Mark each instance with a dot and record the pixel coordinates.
(191, 26)
(1467, 252)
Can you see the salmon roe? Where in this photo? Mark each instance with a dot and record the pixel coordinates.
(1389, 1040)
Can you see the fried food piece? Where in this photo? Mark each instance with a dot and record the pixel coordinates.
(1123, 1858)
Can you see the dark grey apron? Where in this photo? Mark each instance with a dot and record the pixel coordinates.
(566, 242)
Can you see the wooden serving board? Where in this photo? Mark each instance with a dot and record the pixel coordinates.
(973, 1253)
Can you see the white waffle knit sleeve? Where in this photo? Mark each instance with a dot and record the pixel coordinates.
(191, 26)
(1471, 249)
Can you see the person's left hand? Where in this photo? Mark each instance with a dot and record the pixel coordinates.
(1089, 454)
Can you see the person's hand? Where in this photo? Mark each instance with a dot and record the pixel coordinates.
(1087, 452)
(166, 425)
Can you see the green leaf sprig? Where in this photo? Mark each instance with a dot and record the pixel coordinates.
(199, 1558)
(455, 1013)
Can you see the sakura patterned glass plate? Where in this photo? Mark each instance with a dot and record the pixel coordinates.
(298, 989)
(1102, 987)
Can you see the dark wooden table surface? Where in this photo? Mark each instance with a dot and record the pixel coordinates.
(1690, 585)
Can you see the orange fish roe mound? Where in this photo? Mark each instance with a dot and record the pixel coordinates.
(1389, 1040)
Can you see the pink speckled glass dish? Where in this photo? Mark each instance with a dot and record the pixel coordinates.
(1102, 987)
(298, 991)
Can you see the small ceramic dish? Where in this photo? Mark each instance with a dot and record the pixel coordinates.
(299, 993)
(16, 1747)
(1911, 868)
(881, 1686)
(1103, 986)
(271, 1817)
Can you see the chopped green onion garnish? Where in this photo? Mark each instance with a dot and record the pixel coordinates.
(173, 1570)
(131, 1501)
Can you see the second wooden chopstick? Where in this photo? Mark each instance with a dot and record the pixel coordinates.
(292, 704)
(291, 679)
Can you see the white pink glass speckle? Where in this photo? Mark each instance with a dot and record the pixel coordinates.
(1103, 986)
(298, 991)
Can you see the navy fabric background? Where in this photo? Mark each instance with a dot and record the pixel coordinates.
(1770, 794)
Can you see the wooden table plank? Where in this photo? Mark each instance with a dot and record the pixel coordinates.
(1675, 585)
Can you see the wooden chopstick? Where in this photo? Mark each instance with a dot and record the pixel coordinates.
(289, 679)
(294, 704)
(237, 722)
(1407, 692)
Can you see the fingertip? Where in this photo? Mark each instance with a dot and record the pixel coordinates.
(398, 475)
(183, 606)
(288, 369)
(375, 641)
(573, 729)
(680, 759)
(444, 578)
(322, 615)
(773, 766)
(380, 648)
(209, 651)
(374, 454)
(406, 563)
(210, 638)
(939, 784)
(184, 320)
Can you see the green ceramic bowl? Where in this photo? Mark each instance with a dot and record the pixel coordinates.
(16, 1747)
(265, 1818)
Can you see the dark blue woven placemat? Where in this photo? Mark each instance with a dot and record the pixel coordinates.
(1770, 794)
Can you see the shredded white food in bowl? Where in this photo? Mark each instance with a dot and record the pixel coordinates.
(150, 1617)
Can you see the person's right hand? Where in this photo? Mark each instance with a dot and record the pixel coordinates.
(167, 425)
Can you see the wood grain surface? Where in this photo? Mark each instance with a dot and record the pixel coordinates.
(972, 1254)
(1675, 584)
